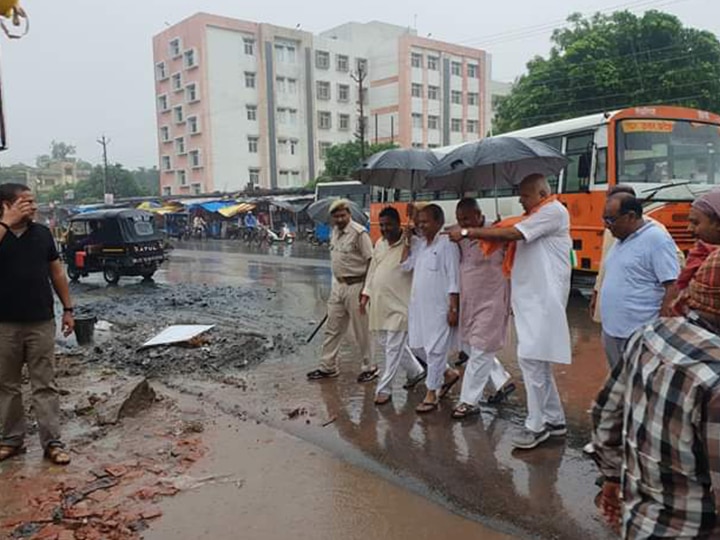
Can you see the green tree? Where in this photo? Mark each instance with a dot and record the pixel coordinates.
(343, 159)
(148, 180)
(121, 182)
(615, 61)
(61, 151)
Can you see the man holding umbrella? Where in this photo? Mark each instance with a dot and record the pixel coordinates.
(538, 261)
(350, 252)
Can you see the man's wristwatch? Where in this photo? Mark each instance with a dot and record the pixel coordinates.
(68, 310)
(464, 233)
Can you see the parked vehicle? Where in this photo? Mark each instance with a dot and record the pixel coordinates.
(115, 242)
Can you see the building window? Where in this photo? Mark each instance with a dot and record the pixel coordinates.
(343, 122)
(456, 97)
(254, 176)
(434, 92)
(179, 115)
(193, 125)
(161, 71)
(324, 147)
(282, 116)
(416, 60)
(197, 189)
(417, 120)
(284, 175)
(180, 146)
(293, 146)
(322, 59)
(181, 177)
(433, 122)
(343, 93)
(191, 93)
(473, 98)
(253, 145)
(290, 53)
(281, 84)
(195, 159)
(342, 63)
(295, 178)
(361, 65)
(473, 70)
(433, 145)
(251, 112)
(166, 163)
(249, 79)
(282, 146)
(456, 125)
(324, 120)
(190, 60)
(167, 191)
(285, 52)
(323, 90)
(293, 116)
(163, 103)
(417, 145)
(433, 63)
(165, 134)
(249, 46)
(417, 90)
(456, 68)
(292, 86)
(472, 126)
(176, 48)
(177, 83)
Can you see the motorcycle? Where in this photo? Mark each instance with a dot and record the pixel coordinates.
(285, 236)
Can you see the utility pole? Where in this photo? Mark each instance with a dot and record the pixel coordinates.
(104, 141)
(359, 78)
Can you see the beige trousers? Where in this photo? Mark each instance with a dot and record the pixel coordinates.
(32, 344)
(343, 312)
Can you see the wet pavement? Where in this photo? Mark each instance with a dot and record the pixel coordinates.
(320, 460)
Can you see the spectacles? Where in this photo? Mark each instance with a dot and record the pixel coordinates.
(610, 220)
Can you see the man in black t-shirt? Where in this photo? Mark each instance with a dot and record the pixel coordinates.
(30, 269)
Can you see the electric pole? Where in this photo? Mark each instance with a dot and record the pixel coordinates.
(104, 141)
(359, 78)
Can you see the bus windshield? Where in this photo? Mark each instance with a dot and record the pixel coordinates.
(668, 151)
(354, 191)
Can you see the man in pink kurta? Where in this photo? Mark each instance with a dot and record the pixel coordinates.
(484, 315)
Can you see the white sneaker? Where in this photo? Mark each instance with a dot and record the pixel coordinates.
(527, 440)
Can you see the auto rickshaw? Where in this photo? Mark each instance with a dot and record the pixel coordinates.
(117, 242)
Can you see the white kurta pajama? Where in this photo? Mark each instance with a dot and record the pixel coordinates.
(435, 269)
(388, 287)
(540, 290)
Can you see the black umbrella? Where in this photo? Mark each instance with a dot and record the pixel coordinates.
(492, 163)
(397, 168)
(320, 211)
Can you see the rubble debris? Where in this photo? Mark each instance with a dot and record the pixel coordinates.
(135, 396)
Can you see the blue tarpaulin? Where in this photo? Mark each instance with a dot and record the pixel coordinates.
(213, 206)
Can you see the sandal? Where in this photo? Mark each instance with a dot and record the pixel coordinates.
(7, 452)
(502, 394)
(465, 411)
(368, 376)
(412, 383)
(383, 399)
(445, 388)
(57, 455)
(426, 407)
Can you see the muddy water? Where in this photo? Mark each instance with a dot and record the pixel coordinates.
(264, 484)
(466, 467)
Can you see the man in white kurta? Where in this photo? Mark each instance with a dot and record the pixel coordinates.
(540, 281)
(434, 301)
(387, 294)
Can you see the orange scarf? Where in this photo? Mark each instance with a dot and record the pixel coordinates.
(489, 247)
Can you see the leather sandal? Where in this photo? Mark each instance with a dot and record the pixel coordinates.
(57, 455)
(7, 452)
(426, 407)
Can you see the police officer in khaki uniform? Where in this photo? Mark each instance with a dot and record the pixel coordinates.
(351, 251)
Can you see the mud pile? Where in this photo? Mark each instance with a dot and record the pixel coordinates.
(247, 329)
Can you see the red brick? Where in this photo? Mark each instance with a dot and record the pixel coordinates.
(151, 513)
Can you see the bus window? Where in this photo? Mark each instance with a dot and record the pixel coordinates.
(556, 143)
(601, 176)
(577, 173)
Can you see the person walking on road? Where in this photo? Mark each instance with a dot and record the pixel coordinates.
(434, 301)
(538, 261)
(705, 227)
(30, 269)
(484, 315)
(387, 293)
(640, 273)
(350, 252)
(656, 423)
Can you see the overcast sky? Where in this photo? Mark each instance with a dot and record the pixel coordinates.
(86, 67)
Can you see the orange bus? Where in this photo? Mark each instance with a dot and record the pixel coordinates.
(667, 154)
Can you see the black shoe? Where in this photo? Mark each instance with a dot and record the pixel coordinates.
(319, 374)
(462, 359)
(502, 394)
(412, 383)
(556, 430)
(368, 376)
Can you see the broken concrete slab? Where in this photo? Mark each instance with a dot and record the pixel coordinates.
(129, 400)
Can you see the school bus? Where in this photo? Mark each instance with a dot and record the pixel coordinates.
(667, 154)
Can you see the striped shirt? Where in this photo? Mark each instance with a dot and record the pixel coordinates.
(657, 428)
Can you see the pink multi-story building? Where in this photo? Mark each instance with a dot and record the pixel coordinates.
(242, 103)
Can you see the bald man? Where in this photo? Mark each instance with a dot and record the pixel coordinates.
(540, 287)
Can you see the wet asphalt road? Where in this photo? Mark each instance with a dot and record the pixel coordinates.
(469, 467)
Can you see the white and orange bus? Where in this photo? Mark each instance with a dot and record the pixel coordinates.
(669, 155)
